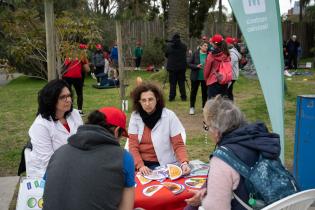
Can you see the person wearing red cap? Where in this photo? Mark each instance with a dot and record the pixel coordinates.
(156, 135)
(98, 62)
(235, 58)
(75, 66)
(219, 54)
(92, 171)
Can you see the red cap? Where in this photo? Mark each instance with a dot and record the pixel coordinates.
(217, 38)
(98, 46)
(83, 46)
(229, 40)
(116, 117)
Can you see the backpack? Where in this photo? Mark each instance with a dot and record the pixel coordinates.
(224, 73)
(267, 181)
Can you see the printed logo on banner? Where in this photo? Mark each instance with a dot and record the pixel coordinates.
(254, 6)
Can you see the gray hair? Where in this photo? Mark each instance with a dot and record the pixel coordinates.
(223, 115)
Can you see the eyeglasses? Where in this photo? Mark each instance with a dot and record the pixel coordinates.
(149, 100)
(205, 126)
(65, 97)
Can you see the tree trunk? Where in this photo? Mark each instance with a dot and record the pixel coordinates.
(220, 18)
(50, 42)
(121, 67)
(178, 19)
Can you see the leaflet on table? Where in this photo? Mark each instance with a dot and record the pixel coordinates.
(174, 187)
(149, 191)
(198, 169)
(195, 182)
(172, 171)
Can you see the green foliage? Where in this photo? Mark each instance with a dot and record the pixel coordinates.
(198, 12)
(153, 52)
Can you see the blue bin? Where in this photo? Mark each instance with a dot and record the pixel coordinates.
(304, 147)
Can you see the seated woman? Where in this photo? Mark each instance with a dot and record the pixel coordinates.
(227, 127)
(156, 136)
(56, 120)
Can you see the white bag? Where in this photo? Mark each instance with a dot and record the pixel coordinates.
(30, 194)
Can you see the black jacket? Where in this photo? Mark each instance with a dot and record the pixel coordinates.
(247, 143)
(176, 55)
(193, 62)
(87, 173)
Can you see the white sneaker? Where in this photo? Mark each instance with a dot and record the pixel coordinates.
(287, 73)
(192, 110)
(98, 84)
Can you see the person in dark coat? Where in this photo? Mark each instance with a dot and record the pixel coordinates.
(92, 171)
(292, 48)
(197, 63)
(176, 66)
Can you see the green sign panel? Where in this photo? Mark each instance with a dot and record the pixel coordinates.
(259, 21)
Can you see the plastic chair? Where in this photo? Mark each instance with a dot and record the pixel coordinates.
(27, 154)
(298, 201)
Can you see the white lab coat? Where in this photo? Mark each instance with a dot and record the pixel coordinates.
(168, 126)
(46, 137)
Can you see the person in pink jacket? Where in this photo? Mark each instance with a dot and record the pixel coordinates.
(219, 54)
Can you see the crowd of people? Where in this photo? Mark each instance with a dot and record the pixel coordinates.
(83, 162)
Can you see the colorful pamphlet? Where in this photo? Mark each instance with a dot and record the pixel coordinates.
(174, 171)
(174, 187)
(142, 179)
(195, 182)
(149, 191)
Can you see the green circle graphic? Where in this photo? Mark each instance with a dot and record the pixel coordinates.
(31, 203)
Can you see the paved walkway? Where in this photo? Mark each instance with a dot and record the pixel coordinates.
(3, 80)
(7, 188)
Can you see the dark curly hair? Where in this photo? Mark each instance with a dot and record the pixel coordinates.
(98, 118)
(48, 99)
(144, 87)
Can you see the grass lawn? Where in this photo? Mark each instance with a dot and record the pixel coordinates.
(18, 102)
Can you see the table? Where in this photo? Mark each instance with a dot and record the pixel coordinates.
(163, 199)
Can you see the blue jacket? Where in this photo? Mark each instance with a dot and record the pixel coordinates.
(247, 143)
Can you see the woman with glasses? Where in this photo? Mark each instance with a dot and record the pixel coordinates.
(156, 136)
(228, 128)
(56, 121)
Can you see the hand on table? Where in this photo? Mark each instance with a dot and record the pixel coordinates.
(145, 170)
(195, 200)
(185, 168)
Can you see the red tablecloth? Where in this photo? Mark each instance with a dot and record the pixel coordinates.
(163, 199)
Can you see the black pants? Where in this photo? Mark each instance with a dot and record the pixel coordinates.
(180, 78)
(215, 89)
(194, 90)
(138, 61)
(292, 58)
(78, 86)
(229, 91)
(98, 70)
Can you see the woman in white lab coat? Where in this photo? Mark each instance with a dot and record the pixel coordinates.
(56, 121)
(156, 135)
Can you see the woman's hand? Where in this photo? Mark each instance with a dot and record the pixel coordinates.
(185, 168)
(197, 197)
(145, 170)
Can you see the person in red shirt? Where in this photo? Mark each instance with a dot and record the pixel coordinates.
(73, 75)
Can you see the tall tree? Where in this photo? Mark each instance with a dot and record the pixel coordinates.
(178, 15)
(303, 4)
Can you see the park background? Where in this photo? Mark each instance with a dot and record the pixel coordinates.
(23, 50)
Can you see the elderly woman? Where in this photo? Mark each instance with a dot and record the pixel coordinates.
(156, 136)
(56, 120)
(227, 127)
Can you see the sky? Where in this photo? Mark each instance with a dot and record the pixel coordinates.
(285, 5)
